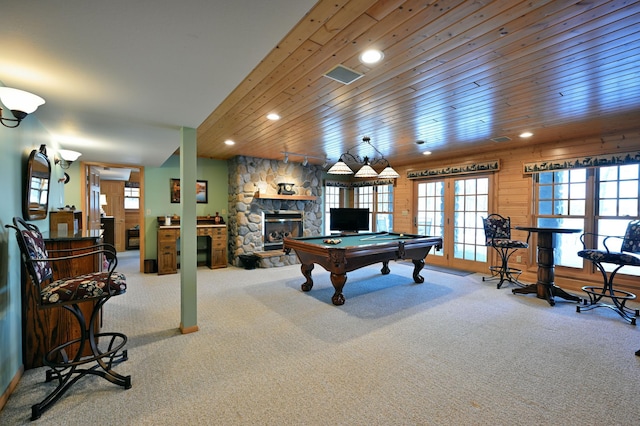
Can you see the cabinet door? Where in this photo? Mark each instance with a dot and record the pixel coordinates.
(168, 251)
(167, 258)
(219, 259)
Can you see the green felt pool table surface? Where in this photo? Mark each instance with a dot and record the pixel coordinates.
(340, 254)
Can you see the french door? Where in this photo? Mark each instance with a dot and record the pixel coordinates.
(453, 208)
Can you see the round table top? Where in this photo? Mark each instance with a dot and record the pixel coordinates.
(547, 229)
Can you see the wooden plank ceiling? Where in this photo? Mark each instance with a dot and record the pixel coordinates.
(455, 75)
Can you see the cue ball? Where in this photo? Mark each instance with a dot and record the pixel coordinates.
(402, 235)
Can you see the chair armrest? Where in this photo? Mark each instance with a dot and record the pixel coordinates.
(604, 241)
(108, 250)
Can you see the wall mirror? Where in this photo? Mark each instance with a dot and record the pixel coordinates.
(37, 183)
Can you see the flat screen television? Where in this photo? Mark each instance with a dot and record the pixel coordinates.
(348, 219)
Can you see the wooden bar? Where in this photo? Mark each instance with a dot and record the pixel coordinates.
(44, 329)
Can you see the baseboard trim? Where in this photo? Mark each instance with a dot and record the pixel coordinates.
(12, 386)
(187, 330)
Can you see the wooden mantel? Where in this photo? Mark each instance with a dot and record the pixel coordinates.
(283, 197)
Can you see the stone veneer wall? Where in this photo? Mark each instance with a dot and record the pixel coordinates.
(248, 175)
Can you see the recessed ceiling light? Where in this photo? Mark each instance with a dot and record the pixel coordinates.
(426, 153)
(273, 116)
(371, 56)
(229, 142)
(526, 134)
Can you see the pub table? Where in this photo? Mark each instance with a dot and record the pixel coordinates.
(545, 287)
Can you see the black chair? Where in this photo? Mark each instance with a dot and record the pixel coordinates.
(497, 231)
(629, 255)
(68, 362)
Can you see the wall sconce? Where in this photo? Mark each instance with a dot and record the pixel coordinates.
(66, 158)
(366, 171)
(20, 103)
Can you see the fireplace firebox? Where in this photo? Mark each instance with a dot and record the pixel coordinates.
(279, 224)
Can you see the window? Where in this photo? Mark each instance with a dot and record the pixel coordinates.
(131, 196)
(364, 200)
(331, 200)
(471, 204)
(467, 204)
(600, 200)
(430, 220)
(379, 200)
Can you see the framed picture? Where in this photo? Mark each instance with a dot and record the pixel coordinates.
(202, 191)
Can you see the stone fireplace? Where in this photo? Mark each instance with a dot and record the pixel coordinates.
(279, 224)
(248, 177)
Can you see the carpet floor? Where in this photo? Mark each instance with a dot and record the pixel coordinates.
(451, 351)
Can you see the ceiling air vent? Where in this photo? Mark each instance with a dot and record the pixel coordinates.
(501, 139)
(343, 74)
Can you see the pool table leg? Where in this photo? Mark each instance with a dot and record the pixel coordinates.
(306, 271)
(418, 264)
(385, 268)
(338, 281)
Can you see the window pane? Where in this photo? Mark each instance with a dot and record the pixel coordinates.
(629, 172)
(609, 189)
(578, 175)
(559, 177)
(577, 207)
(131, 203)
(561, 191)
(483, 202)
(608, 173)
(561, 207)
(629, 189)
(545, 207)
(628, 208)
(567, 246)
(545, 192)
(578, 190)
(545, 178)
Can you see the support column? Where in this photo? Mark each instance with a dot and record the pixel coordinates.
(188, 232)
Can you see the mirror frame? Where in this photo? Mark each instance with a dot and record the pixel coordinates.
(38, 166)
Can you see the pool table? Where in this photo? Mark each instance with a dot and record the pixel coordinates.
(340, 254)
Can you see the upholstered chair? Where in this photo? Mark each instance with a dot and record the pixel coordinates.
(93, 353)
(497, 230)
(629, 255)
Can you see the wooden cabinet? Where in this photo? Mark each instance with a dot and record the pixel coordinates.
(216, 251)
(219, 247)
(65, 221)
(108, 230)
(133, 239)
(44, 329)
(168, 250)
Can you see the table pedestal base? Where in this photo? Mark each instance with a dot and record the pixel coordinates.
(545, 288)
(547, 292)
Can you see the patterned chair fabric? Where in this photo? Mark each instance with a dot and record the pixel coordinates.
(629, 250)
(89, 286)
(497, 231)
(629, 255)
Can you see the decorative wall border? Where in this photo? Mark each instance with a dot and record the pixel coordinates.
(583, 162)
(345, 184)
(489, 166)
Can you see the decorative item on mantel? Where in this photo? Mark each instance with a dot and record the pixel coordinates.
(286, 189)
